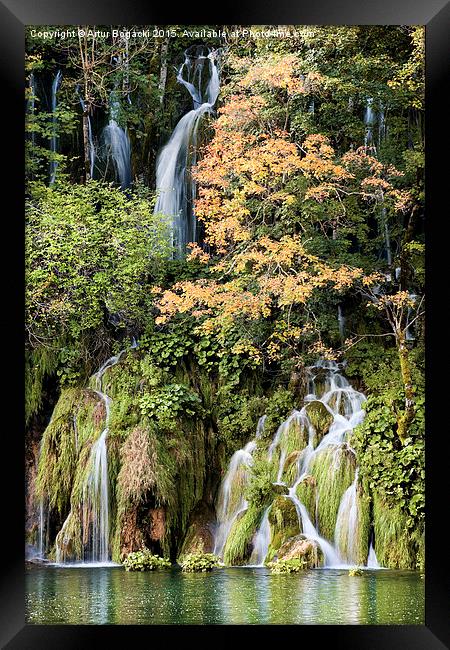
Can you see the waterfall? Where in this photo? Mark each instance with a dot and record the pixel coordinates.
(345, 534)
(90, 137)
(231, 500)
(341, 322)
(331, 390)
(95, 494)
(372, 562)
(54, 139)
(261, 541)
(331, 557)
(369, 118)
(117, 144)
(176, 192)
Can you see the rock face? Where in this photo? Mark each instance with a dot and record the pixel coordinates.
(199, 537)
(283, 520)
(300, 547)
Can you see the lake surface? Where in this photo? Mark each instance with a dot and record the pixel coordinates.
(110, 595)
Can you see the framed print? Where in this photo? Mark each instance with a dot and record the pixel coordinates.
(225, 253)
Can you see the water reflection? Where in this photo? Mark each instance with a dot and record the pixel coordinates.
(110, 595)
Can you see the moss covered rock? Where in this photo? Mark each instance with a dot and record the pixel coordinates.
(334, 470)
(307, 492)
(290, 468)
(395, 546)
(199, 537)
(320, 418)
(238, 547)
(299, 547)
(284, 524)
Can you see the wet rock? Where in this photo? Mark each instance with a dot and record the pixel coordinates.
(300, 547)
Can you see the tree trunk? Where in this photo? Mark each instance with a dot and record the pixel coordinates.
(404, 419)
(86, 146)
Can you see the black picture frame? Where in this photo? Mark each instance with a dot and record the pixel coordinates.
(435, 15)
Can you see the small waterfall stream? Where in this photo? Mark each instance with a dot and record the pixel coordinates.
(229, 507)
(95, 500)
(344, 406)
(176, 191)
(118, 148)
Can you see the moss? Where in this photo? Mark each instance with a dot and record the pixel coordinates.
(39, 364)
(334, 470)
(284, 524)
(198, 538)
(59, 452)
(238, 547)
(320, 418)
(294, 438)
(299, 547)
(288, 566)
(395, 547)
(69, 541)
(290, 468)
(307, 493)
(355, 571)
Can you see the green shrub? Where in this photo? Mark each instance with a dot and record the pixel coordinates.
(199, 562)
(288, 566)
(355, 571)
(144, 561)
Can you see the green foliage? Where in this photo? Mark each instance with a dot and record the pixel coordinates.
(355, 571)
(91, 251)
(166, 349)
(144, 561)
(259, 491)
(279, 406)
(288, 566)
(169, 402)
(199, 562)
(237, 413)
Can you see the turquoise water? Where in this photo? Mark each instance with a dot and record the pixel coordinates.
(110, 595)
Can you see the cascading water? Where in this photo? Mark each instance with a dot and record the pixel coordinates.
(332, 392)
(95, 498)
(369, 119)
(176, 190)
(372, 562)
(261, 541)
(118, 148)
(341, 321)
(231, 498)
(54, 140)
